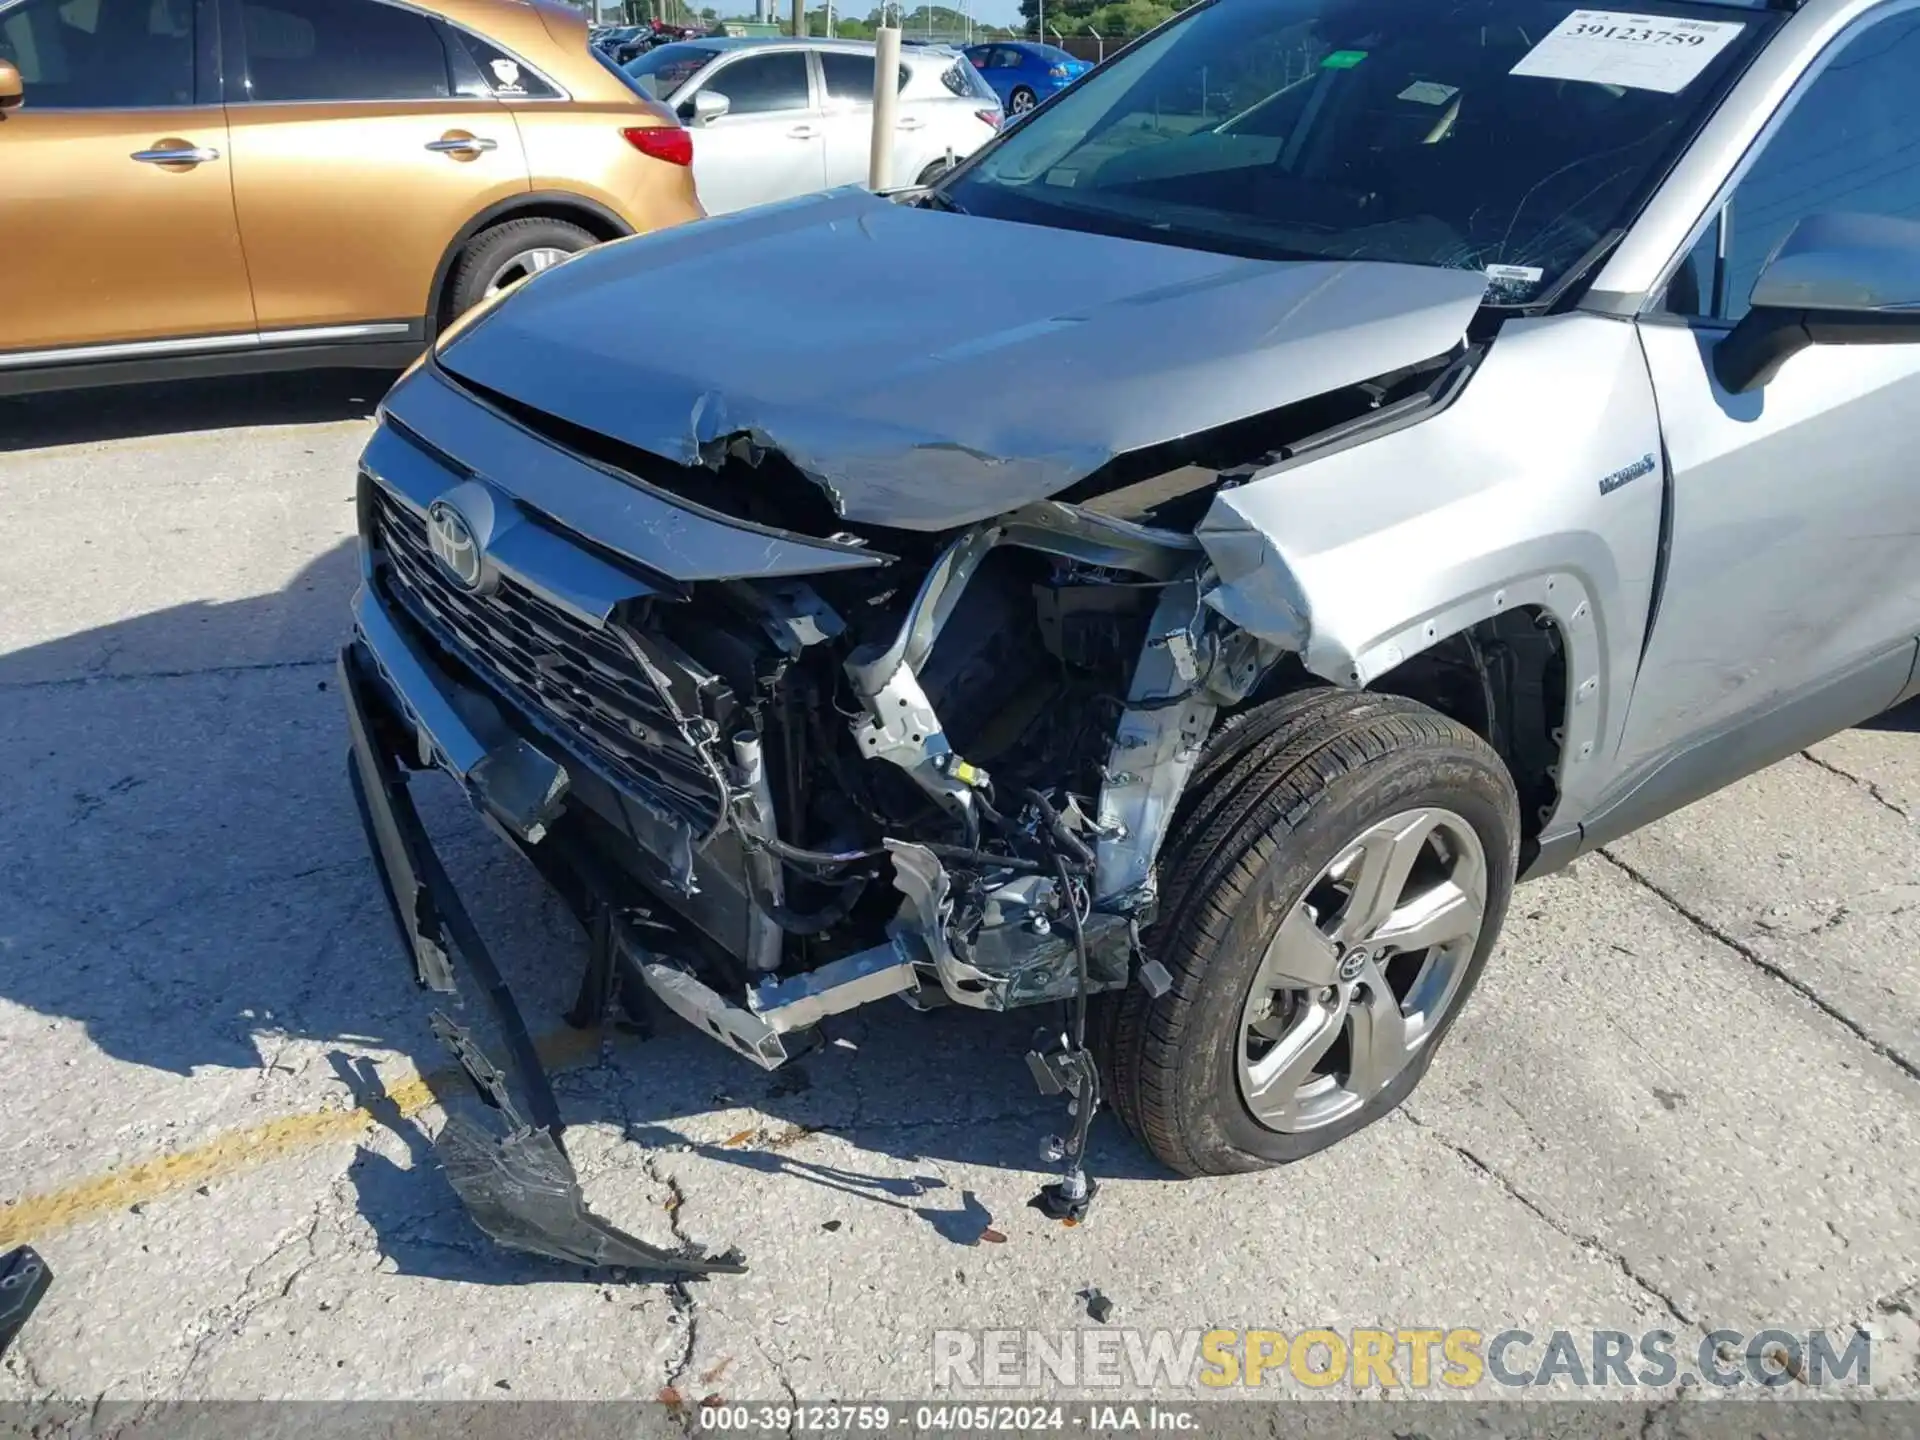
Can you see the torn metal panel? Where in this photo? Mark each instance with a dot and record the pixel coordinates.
(753, 813)
(834, 988)
(901, 726)
(1156, 745)
(1082, 534)
(924, 918)
(1073, 348)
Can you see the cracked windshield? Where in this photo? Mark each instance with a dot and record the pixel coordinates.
(1442, 135)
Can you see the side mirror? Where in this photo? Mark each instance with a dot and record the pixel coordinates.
(12, 94)
(1835, 280)
(709, 106)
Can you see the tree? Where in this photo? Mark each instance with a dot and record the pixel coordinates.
(1130, 17)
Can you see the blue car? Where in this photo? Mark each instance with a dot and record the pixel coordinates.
(1023, 73)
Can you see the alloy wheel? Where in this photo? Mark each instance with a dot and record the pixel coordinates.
(518, 267)
(1362, 970)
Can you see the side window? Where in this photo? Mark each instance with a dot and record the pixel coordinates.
(486, 72)
(101, 54)
(341, 50)
(850, 77)
(1851, 143)
(758, 84)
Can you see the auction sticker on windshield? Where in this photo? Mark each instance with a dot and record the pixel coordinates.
(1641, 52)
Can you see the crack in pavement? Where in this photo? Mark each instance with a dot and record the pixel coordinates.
(1899, 1301)
(1872, 787)
(225, 1323)
(679, 1292)
(1893, 1057)
(75, 681)
(20, 1358)
(1590, 1243)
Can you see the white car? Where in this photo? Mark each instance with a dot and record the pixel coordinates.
(774, 118)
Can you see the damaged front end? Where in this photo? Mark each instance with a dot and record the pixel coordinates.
(783, 755)
(772, 801)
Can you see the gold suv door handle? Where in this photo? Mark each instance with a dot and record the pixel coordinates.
(187, 155)
(462, 145)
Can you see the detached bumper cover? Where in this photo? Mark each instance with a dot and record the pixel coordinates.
(519, 1186)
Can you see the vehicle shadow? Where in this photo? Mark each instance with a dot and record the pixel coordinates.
(184, 880)
(1903, 718)
(71, 417)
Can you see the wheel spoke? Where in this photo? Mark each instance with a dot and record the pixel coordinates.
(1442, 914)
(1377, 1046)
(1274, 1080)
(1379, 875)
(1301, 956)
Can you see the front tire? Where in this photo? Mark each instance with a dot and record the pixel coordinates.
(1334, 881)
(503, 255)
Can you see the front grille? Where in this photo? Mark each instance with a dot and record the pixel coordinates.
(581, 686)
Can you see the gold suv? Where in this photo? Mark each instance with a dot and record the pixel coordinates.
(191, 186)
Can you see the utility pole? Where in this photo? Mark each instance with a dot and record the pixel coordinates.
(886, 97)
(799, 19)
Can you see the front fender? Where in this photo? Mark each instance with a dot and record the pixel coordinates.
(1360, 559)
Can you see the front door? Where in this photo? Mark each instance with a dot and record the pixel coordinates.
(355, 162)
(116, 196)
(769, 145)
(1795, 551)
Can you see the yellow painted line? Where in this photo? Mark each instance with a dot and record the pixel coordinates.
(33, 1216)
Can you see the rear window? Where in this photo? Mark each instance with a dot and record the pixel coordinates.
(665, 68)
(1052, 54)
(494, 74)
(965, 81)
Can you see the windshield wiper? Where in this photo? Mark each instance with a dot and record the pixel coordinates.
(940, 200)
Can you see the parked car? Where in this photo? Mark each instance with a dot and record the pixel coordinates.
(1491, 433)
(772, 118)
(613, 37)
(322, 182)
(1023, 73)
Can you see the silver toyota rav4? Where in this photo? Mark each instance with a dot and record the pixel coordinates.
(1334, 460)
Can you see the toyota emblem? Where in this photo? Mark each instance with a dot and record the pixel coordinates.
(453, 545)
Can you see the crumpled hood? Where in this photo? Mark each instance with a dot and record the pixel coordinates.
(932, 369)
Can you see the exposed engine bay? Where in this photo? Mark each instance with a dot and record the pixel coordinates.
(952, 790)
(978, 765)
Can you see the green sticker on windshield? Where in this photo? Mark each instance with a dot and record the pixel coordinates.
(1343, 59)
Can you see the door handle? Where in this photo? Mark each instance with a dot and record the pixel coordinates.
(190, 155)
(908, 122)
(462, 145)
(801, 132)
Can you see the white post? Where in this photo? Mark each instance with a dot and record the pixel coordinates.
(886, 94)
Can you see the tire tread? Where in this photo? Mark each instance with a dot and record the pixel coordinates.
(1264, 771)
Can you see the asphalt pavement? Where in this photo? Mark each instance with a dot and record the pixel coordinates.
(1686, 1095)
